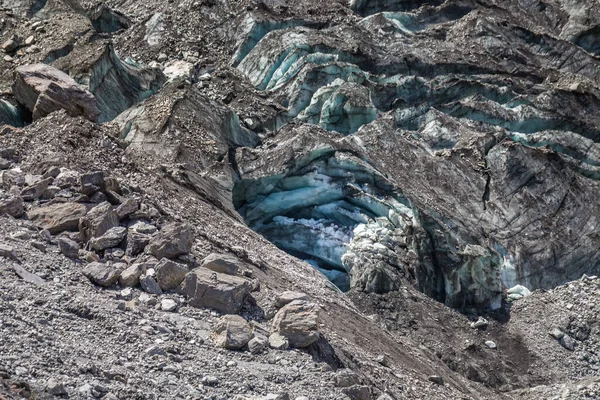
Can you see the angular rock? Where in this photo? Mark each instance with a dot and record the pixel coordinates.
(55, 388)
(111, 238)
(12, 206)
(557, 333)
(11, 44)
(91, 182)
(257, 344)
(172, 241)
(98, 221)
(208, 289)
(58, 217)
(289, 296)
(232, 332)
(43, 89)
(168, 305)
(491, 344)
(8, 252)
(136, 242)
(567, 342)
(298, 322)
(222, 263)
(128, 207)
(346, 378)
(101, 274)
(358, 392)
(131, 275)
(69, 248)
(170, 274)
(149, 284)
(481, 323)
(36, 190)
(278, 342)
(66, 179)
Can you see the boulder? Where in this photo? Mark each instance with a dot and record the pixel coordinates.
(257, 344)
(136, 242)
(232, 332)
(222, 263)
(69, 248)
(170, 274)
(91, 182)
(278, 342)
(101, 274)
(298, 322)
(98, 221)
(12, 206)
(129, 206)
(168, 305)
(288, 296)
(131, 275)
(58, 217)
(43, 89)
(149, 284)
(111, 238)
(208, 289)
(358, 392)
(172, 241)
(36, 190)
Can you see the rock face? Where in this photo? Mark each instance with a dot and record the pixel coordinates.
(298, 322)
(58, 217)
(209, 289)
(172, 241)
(232, 332)
(43, 89)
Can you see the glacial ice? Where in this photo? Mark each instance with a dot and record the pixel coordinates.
(118, 85)
(325, 208)
(10, 115)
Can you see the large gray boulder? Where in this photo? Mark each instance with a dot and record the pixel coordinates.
(298, 322)
(57, 218)
(43, 89)
(172, 241)
(232, 332)
(208, 289)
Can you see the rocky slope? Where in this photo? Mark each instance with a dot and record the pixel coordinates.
(222, 199)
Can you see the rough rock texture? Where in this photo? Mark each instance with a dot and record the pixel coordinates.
(232, 332)
(405, 164)
(222, 263)
(170, 274)
(98, 221)
(101, 274)
(43, 89)
(58, 217)
(298, 322)
(224, 293)
(173, 240)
